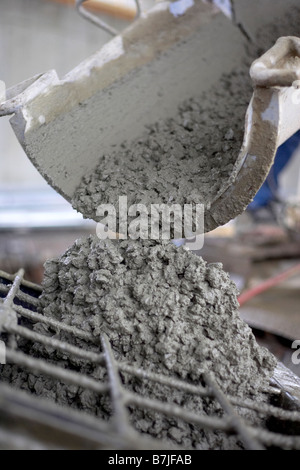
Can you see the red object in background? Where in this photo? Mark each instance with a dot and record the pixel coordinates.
(274, 281)
(119, 8)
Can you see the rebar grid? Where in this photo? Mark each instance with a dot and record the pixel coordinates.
(15, 291)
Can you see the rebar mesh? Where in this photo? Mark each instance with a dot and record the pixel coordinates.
(20, 300)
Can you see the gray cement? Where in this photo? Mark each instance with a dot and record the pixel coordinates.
(190, 157)
(183, 160)
(163, 309)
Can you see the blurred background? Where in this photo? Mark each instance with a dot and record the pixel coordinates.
(37, 224)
